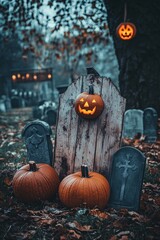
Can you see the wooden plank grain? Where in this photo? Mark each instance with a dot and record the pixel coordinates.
(66, 130)
(109, 133)
(92, 142)
(86, 137)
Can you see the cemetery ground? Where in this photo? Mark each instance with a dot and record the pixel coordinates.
(51, 220)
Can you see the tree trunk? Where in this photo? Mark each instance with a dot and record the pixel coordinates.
(139, 58)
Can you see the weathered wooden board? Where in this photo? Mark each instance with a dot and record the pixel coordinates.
(92, 142)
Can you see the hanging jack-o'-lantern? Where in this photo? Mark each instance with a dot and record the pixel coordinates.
(89, 105)
(126, 31)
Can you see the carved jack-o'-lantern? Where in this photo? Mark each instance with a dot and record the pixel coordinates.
(89, 105)
(126, 30)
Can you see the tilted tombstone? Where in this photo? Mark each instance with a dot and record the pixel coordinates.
(94, 141)
(150, 121)
(126, 179)
(133, 123)
(38, 142)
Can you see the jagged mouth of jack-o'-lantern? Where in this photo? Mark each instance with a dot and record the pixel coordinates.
(126, 35)
(85, 111)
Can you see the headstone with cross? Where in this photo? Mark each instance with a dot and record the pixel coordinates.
(37, 139)
(150, 121)
(126, 180)
(133, 123)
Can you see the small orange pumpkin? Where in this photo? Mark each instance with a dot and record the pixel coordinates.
(91, 189)
(126, 31)
(34, 182)
(89, 105)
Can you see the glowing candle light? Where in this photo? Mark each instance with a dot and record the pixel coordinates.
(13, 77)
(49, 76)
(27, 75)
(35, 77)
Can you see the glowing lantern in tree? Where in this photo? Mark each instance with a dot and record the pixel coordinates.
(89, 105)
(126, 30)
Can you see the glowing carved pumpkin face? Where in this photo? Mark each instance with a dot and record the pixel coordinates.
(126, 31)
(89, 105)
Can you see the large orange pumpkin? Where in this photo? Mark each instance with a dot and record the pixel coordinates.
(34, 182)
(89, 105)
(91, 189)
(126, 30)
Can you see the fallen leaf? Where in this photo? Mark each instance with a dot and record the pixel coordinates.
(46, 221)
(113, 238)
(136, 216)
(63, 237)
(124, 238)
(11, 143)
(123, 234)
(99, 214)
(74, 234)
(8, 181)
(150, 185)
(117, 224)
(78, 226)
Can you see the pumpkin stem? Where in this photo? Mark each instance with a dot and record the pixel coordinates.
(91, 90)
(84, 171)
(32, 166)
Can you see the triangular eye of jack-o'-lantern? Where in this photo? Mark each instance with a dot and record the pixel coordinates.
(126, 30)
(89, 105)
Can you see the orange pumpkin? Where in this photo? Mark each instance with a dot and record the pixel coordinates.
(91, 189)
(89, 105)
(126, 31)
(34, 182)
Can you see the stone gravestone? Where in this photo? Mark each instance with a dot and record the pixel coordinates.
(150, 121)
(126, 179)
(83, 141)
(16, 102)
(8, 103)
(133, 123)
(2, 106)
(38, 142)
(50, 116)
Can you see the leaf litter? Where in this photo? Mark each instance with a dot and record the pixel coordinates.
(51, 220)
